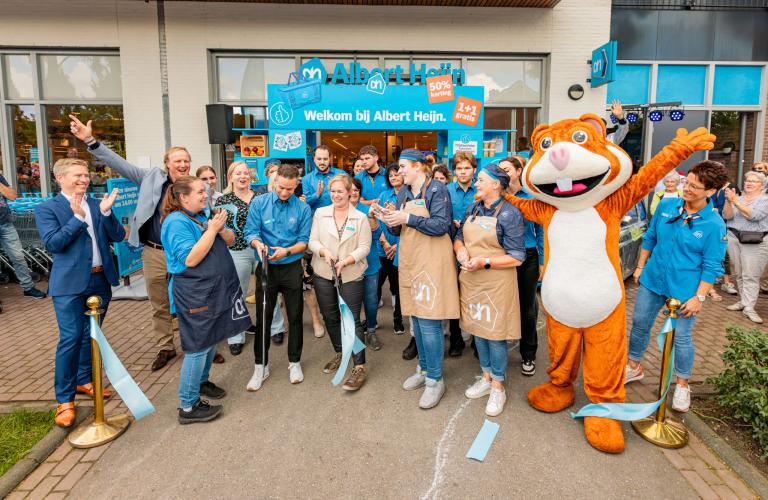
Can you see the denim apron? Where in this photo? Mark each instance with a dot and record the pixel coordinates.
(209, 301)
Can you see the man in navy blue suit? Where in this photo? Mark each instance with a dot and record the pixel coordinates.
(77, 230)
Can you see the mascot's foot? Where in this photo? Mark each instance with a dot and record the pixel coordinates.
(551, 398)
(604, 434)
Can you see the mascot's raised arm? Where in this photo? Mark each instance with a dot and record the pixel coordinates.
(583, 186)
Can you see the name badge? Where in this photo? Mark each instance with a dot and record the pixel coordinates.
(418, 202)
(268, 221)
(351, 228)
(485, 227)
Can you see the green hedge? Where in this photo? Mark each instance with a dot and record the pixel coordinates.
(742, 387)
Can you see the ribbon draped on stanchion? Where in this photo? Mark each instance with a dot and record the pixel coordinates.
(349, 342)
(129, 391)
(653, 429)
(103, 430)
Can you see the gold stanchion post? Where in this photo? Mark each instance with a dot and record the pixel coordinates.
(101, 430)
(656, 429)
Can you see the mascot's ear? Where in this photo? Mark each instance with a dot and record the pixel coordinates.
(537, 134)
(596, 122)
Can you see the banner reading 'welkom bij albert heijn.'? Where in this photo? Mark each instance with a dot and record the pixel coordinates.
(438, 104)
(128, 257)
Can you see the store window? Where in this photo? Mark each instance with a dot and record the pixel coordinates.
(506, 81)
(18, 83)
(80, 76)
(24, 137)
(246, 78)
(108, 127)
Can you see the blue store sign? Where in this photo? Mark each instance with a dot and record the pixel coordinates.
(308, 104)
(128, 257)
(604, 64)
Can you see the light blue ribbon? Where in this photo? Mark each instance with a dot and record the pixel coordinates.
(634, 411)
(118, 376)
(349, 341)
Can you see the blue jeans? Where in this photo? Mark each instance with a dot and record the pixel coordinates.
(194, 371)
(430, 344)
(9, 239)
(494, 357)
(73, 352)
(647, 307)
(371, 301)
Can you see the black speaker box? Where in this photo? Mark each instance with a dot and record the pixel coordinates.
(219, 124)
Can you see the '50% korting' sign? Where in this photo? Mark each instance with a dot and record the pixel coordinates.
(440, 88)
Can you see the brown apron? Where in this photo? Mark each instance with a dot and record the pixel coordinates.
(490, 307)
(427, 269)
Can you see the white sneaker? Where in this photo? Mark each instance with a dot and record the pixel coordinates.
(260, 374)
(416, 380)
(496, 402)
(295, 373)
(681, 400)
(633, 374)
(738, 306)
(729, 288)
(319, 330)
(752, 315)
(433, 393)
(480, 388)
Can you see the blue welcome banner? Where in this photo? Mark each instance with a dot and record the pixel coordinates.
(128, 258)
(375, 106)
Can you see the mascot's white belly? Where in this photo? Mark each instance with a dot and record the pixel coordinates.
(580, 286)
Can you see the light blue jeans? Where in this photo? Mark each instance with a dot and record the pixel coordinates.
(430, 344)
(194, 371)
(11, 243)
(494, 357)
(371, 301)
(245, 264)
(647, 307)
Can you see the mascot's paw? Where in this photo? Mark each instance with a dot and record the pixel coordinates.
(698, 140)
(604, 434)
(551, 398)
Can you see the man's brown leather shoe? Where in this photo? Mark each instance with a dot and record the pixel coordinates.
(65, 414)
(87, 389)
(162, 359)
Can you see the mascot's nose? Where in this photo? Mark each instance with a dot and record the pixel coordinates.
(559, 156)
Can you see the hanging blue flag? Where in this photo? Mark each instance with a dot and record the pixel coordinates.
(118, 376)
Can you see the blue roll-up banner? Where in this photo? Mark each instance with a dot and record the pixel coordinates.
(629, 412)
(128, 257)
(129, 391)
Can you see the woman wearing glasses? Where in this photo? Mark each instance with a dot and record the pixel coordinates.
(681, 258)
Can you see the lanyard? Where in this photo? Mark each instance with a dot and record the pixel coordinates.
(687, 219)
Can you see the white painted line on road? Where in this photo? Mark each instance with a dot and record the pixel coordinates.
(441, 456)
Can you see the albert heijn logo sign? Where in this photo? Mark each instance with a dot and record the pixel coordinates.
(313, 70)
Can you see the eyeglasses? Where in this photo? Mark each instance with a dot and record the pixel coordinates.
(695, 187)
(753, 180)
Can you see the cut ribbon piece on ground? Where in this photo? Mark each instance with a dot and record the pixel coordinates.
(483, 441)
(349, 341)
(629, 412)
(129, 391)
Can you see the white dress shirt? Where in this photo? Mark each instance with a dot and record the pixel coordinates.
(89, 220)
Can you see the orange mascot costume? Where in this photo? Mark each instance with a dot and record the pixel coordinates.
(583, 186)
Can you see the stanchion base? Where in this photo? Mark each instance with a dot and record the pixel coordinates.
(667, 434)
(92, 434)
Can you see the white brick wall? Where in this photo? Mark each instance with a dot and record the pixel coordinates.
(569, 32)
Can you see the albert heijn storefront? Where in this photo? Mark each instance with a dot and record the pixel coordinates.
(436, 105)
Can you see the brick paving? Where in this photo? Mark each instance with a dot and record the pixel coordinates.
(28, 339)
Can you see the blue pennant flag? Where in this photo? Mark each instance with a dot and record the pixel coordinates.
(634, 411)
(349, 341)
(118, 376)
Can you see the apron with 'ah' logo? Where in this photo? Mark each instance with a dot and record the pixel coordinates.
(490, 306)
(428, 285)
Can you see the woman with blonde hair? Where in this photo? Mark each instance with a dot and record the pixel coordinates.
(746, 218)
(429, 291)
(340, 241)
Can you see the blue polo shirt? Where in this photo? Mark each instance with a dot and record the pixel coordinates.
(373, 186)
(309, 187)
(684, 252)
(534, 233)
(278, 223)
(178, 234)
(374, 264)
(510, 227)
(461, 199)
(438, 202)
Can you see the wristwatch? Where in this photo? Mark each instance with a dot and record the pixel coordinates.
(288, 251)
(487, 263)
(701, 298)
